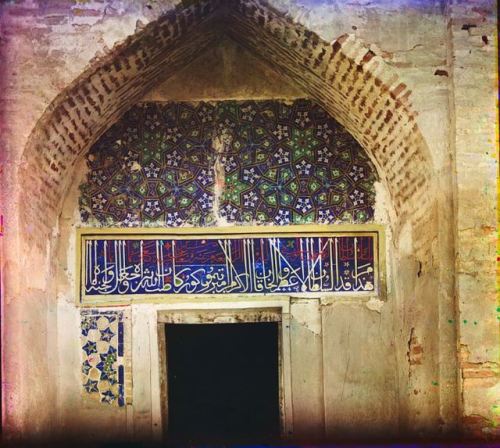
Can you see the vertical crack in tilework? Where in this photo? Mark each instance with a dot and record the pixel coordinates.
(103, 370)
(283, 163)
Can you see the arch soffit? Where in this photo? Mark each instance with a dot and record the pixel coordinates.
(345, 77)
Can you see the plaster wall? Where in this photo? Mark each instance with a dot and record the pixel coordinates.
(475, 81)
(45, 45)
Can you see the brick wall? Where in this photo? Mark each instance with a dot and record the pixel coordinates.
(474, 45)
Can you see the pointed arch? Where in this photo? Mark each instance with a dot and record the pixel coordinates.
(345, 77)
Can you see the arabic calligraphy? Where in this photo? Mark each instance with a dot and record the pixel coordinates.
(259, 265)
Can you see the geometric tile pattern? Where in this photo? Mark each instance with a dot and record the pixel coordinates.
(292, 164)
(103, 359)
(153, 166)
(284, 163)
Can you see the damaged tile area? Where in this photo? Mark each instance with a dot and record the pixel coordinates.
(103, 367)
(242, 162)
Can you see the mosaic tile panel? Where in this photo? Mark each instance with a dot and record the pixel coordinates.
(103, 366)
(153, 166)
(282, 163)
(292, 164)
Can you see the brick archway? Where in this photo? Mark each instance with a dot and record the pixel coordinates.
(346, 78)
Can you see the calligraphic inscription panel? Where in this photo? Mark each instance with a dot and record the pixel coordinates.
(148, 266)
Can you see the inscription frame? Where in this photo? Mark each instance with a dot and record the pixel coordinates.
(85, 234)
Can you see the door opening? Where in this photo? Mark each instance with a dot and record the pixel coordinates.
(223, 382)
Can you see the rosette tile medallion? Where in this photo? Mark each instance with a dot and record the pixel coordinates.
(102, 345)
(277, 162)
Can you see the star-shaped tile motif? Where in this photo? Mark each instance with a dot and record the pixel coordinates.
(91, 386)
(165, 174)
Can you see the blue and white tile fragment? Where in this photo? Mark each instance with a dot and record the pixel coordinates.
(103, 360)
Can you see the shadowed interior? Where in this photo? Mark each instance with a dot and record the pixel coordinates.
(223, 382)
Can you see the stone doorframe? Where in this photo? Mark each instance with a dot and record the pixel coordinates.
(148, 418)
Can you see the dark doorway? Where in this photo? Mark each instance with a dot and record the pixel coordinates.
(223, 382)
